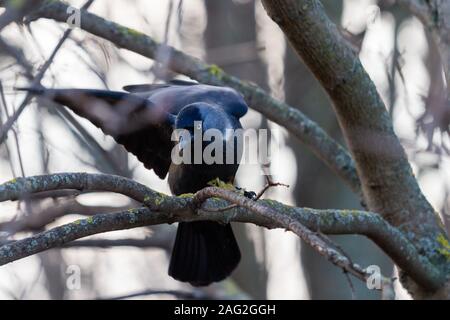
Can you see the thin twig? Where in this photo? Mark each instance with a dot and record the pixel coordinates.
(258, 196)
(36, 82)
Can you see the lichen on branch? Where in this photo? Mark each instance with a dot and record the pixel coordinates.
(161, 208)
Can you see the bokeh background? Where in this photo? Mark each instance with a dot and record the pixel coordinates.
(238, 36)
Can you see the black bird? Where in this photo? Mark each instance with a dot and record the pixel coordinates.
(143, 120)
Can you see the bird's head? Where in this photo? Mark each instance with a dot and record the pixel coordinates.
(211, 124)
(211, 117)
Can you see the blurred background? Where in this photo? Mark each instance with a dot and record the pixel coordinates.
(238, 36)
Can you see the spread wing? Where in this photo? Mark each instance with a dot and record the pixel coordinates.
(142, 127)
(142, 120)
(178, 93)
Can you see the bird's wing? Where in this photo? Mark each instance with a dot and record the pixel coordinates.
(178, 94)
(143, 128)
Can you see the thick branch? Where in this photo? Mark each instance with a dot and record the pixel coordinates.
(333, 154)
(388, 183)
(166, 209)
(18, 55)
(22, 188)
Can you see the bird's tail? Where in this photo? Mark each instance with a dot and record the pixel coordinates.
(204, 252)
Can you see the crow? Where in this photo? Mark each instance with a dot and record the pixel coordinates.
(143, 119)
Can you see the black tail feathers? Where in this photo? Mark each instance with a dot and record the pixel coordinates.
(204, 252)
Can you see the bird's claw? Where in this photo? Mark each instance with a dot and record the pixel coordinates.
(248, 194)
(251, 195)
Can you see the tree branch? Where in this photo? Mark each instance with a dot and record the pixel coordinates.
(42, 215)
(166, 209)
(21, 188)
(327, 149)
(388, 183)
(37, 79)
(16, 10)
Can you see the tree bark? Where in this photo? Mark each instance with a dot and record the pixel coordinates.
(388, 183)
(315, 180)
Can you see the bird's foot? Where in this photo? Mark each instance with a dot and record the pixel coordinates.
(248, 194)
(256, 196)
